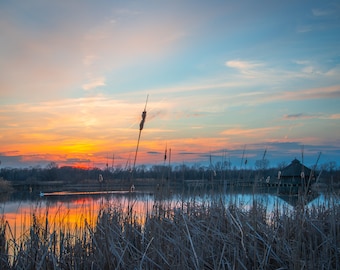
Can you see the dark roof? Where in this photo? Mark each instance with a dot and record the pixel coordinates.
(295, 169)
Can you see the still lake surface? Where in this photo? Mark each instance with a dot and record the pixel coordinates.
(69, 211)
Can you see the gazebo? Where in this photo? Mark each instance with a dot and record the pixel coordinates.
(295, 175)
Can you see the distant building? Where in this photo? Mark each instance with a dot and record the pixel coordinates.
(296, 175)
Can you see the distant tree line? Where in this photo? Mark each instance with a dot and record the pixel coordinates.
(214, 172)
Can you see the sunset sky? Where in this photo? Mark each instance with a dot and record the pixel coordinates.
(223, 78)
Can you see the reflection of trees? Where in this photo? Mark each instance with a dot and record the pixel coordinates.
(5, 189)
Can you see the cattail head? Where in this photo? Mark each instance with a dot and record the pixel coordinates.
(141, 125)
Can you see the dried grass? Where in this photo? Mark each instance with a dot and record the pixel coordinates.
(193, 236)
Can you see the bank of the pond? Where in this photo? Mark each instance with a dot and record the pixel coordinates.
(144, 184)
(86, 185)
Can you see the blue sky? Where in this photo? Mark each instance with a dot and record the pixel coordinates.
(222, 76)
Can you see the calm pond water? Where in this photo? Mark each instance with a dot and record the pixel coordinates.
(71, 210)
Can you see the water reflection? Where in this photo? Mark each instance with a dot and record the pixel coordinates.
(69, 212)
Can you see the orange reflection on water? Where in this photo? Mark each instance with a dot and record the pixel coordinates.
(50, 217)
(71, 216)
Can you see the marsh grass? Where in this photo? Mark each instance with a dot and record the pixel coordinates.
(189, 235)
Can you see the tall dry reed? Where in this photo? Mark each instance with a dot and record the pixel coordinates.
(208, 235)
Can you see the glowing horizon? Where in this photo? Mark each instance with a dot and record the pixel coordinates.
(220, 77)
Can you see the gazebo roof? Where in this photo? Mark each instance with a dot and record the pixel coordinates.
(295, 169)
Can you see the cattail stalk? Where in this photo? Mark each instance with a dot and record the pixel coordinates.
(141, 126)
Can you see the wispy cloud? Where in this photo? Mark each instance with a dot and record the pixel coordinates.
(334, 116)
(302, 62)
(309, 67)
(302, 116)
(249, 132)
(273, 74)
(329, 92)
(321, 12)
(94, 83)
(244, 67)
(304, 28)
(88, 60)
(299, 116)
(313, 93)
(333, 72)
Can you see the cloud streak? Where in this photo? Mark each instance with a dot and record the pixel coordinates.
(94, 83)
(243, 66)
(302, 116)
